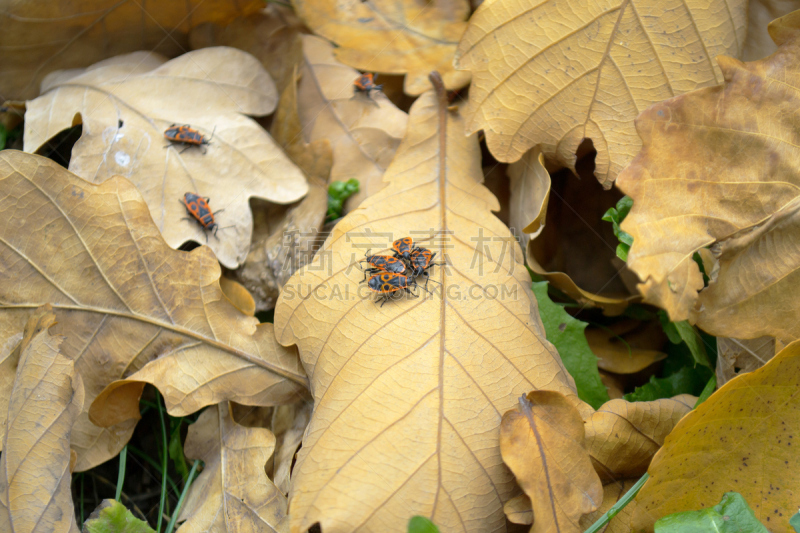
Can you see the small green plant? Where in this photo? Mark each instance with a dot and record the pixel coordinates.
(616, 215)
(338, 192)
(732, 514)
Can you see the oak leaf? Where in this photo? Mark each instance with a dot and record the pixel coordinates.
(364, 132)
(393, 36)
(622, 437)
(542, 442)
(233, 493)
(553, 73)
(125, 105)
(125, 299)
(740, 439)
(44, 402)
(41, 36)
(409, 395)
(700, 150)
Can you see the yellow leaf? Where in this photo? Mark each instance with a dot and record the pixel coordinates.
(125, 299)
(740, 439)
(125, 105)
(530, 191)
(364, 133)
(700, 150)
(233, 493)
(554, 73)
(393, 36)
(542, 442)
(43, 404)
(622, 437)
(44, 35)
(409, 395)
(272, 36)
(238, 296)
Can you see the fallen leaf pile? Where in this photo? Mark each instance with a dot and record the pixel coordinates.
(594, 326)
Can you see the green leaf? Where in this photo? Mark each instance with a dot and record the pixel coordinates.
(687, 380)
(622, 251)
(669, 328)
(732, 515)
(708, 390)
(420, 524)
(113, 517)
(567, 334)
(616, 215)
(624, 207)
(795, 522)
(338, 192)
(692, 338)
(175, 448)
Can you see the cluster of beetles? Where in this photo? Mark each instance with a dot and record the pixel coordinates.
(391, 274)
(388, 275)
(198, 206)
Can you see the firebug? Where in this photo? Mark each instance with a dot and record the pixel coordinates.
(188, 136)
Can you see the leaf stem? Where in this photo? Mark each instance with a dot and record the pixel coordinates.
(163, 463)
(177, 512)
(123, 459)
(617, 507)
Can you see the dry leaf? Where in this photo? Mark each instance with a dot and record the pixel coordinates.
(740, 439)
(41, 36)
(612, 493)
(614, 383)
(758, 43)
(125, 299)
(627, 346)
(44, 402)
(519, 510)
(542, 442)
(700, 150)
(530, 190)
(393, 36)
(288, 424)
(364, 134)
(126, 103)
(272, 36)
(555, 73)
(409, 396)
(233, 493)
(735, 356)
(282, 245)
(238, 296)
(622, 437)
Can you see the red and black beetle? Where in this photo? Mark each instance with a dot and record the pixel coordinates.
(387, 284)
(382, 263)
(366, 84)
(199, 209)
(188, 136)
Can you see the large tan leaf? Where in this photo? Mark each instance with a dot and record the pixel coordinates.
(393, 36)
(125, 299)
(46, 398)
(622, 437)
(556, 72)
(364, 136)
(700, 150)
(233, 493)
(40, 36)
(271, 35)
(740, 439)
(542, 442)
(409, 396)
(126, 103)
